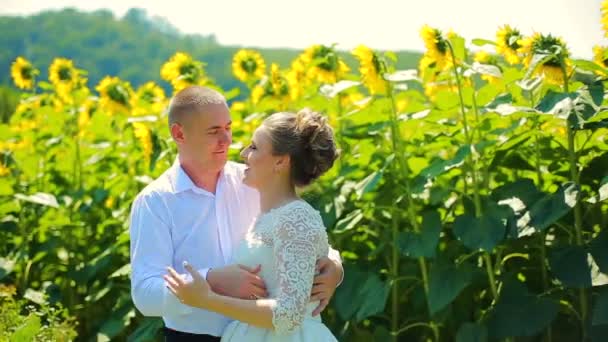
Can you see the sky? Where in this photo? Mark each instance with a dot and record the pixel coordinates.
(380, 24)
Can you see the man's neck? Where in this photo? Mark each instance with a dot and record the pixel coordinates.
(201, 177)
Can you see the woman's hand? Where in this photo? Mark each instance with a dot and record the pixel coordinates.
(193, 292)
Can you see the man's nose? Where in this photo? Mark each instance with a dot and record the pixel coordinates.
(226, 138)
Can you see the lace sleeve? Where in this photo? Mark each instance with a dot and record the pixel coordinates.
(299, 238)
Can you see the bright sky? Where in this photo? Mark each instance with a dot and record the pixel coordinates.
(380, 24)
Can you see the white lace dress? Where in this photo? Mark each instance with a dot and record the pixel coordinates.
(286, 241)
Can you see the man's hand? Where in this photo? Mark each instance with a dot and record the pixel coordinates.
(237, 281)
(325, 283)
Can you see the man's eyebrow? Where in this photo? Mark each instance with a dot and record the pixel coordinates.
(218, 127)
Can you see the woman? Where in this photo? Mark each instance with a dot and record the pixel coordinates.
(287, 151)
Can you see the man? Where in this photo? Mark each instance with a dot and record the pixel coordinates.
(198, 210)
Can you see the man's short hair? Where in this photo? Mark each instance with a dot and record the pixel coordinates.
(191, 100)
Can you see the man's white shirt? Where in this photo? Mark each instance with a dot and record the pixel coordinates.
(172, 221)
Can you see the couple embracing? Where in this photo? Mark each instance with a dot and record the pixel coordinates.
(227, 251)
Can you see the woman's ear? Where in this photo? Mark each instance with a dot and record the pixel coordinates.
(282, 163)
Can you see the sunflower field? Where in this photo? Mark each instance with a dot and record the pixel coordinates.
(469, 202)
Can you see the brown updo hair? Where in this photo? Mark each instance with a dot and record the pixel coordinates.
(308, 140)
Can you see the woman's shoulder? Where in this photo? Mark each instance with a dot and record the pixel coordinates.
(300, 213)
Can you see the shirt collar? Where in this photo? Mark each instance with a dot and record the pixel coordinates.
(182, 182)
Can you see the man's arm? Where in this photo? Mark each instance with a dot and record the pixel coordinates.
(330, 276)
(151, 253)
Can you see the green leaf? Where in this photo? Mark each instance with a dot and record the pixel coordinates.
(116, 323)
(557, 103)
(599, 250)
(438, 167)
(486, 69)
(501, 99)
(588, 65)
(476, 233)
(482, 42)
(6, 266)
(402, 76)
(361, 295)
(6, 188)
(446, 281)
(35, 296)
(147, 330)
(569, 264)
(39, 198)
(368, 183)
(28, 330)
(331, 90)
(424, 243)
(600, 309)
(472, 332)
(458, 44)
(551, 208)
(349, 222)
(519, 313)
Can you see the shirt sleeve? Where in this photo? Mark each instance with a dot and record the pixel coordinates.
(335, 256)
(151, 253)
(297, 243)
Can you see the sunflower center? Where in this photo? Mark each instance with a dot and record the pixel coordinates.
(512, 39)
(376, 63)
(27, 72)
(65, 73)
(189, 72)
(328, 60)
(440, 43)
(119, 94)
(552, 47)
(148, 96)
(249, 65)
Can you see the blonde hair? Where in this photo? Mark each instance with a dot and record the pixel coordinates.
(308, 140)
(190, 100)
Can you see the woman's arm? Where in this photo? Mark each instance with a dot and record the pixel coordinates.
(295, 248)
(198, 293)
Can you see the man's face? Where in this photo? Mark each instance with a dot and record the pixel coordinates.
(207, 137)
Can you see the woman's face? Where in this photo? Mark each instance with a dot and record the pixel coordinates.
(261, 163)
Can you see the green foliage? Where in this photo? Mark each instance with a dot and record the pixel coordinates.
(23, 321)
(466, 208)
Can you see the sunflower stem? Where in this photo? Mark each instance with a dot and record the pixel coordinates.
(578, 222)
(402, 168)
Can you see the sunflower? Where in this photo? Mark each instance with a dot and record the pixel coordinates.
(4, 170)
(280, 85)
(371, 69)
(275, 87)
(248, 66)
(181, 70)
(484, 57)
(23, 73)
(556, 51)
(296, 77)
(508, 44)
(600, 56)
(149, 99)
(323, 64)
(436, 45)
(143, 134)
(605, 17)
(64, 76)
(115, 94)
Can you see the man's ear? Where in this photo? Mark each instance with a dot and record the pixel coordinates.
(177, 133)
